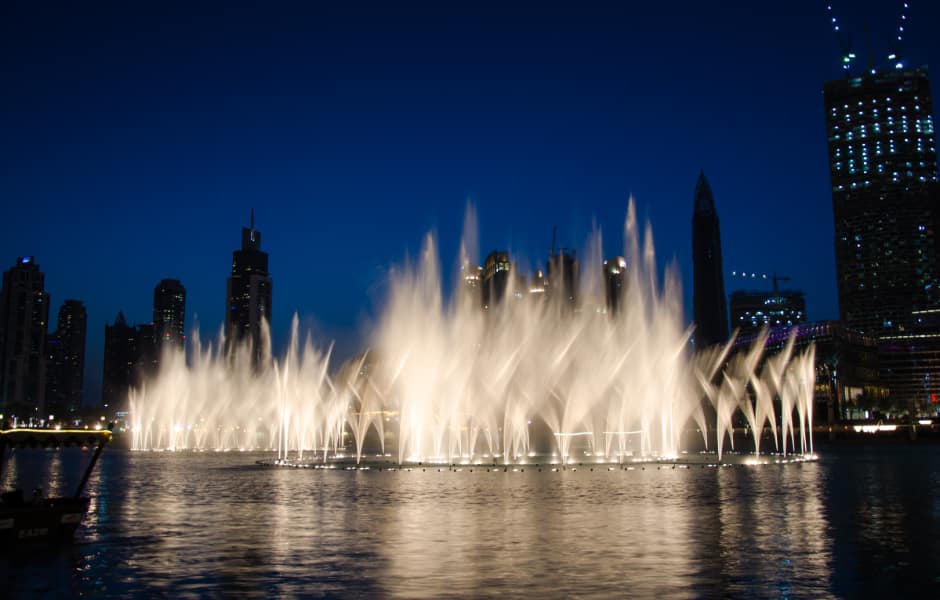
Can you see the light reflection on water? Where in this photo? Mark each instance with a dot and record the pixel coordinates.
(861, 521)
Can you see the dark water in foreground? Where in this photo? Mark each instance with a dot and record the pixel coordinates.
(864, 521)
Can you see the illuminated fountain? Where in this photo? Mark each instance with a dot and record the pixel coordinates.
(448, 382)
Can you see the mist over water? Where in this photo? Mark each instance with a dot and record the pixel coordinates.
(444, 380)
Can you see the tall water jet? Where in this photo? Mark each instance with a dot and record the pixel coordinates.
(447, 378)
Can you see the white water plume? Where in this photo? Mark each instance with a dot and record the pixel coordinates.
(447, 381)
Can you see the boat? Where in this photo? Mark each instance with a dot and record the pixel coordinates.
(45, 519)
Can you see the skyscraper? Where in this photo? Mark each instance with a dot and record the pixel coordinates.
(169, 314)
(65, 362)
(885, 196)
(24, 316)
(883, 168)
(249, 291)
(708, 291)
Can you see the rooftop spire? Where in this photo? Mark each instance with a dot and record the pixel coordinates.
(251, 224)
(704, 202)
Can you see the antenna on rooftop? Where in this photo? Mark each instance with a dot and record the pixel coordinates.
(895, 56)
(845, 40)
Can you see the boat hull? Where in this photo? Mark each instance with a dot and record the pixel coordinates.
(54, 519)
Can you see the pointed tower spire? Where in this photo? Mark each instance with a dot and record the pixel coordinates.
(251, 224)
(708, 292)
(704, 201)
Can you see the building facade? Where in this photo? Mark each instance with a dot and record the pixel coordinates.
(708, 287)
(24, 316)
(65, 362)
(885, 201)
(249, 293)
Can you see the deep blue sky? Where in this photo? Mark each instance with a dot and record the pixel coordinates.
(136, 137)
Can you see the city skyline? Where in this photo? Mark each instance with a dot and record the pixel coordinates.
(350, 155)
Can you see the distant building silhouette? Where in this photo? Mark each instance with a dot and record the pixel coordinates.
(169, 314)
(563, 273)
(120, 356)
(24, 316)
(130, 355)
(249, 292)
(471, 290)
(886, 206)
(752, 310)
(615, 270)
(519, 284)
(496, 277)
(537, 287)
(708, 291)
(65, 362)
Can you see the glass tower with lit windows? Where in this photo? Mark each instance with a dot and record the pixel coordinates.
(886, 204)
(883, 167)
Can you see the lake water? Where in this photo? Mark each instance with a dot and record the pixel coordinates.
(863, 521)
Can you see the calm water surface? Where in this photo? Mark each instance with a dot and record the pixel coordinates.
(864, 521)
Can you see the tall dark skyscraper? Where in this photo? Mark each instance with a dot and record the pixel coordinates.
(883, 169)
(24, 316)
(169, 314)
(65, 366)
(708, 290)
(249, 291)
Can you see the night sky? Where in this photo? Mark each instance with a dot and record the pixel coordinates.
(136, 137)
